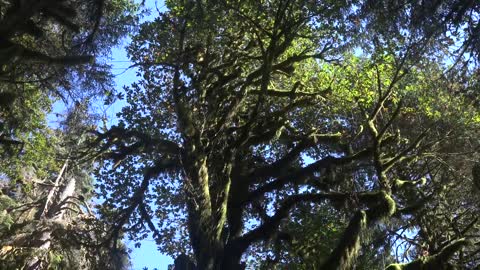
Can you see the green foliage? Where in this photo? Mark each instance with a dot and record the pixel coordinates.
(248, 111)
(6, 219)
(47, 58)
(313, 237)
(299, 134)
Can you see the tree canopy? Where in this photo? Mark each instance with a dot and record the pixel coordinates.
(248, 111)
(51, 53)
(285, 134)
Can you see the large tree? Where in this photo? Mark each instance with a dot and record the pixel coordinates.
(249, 111)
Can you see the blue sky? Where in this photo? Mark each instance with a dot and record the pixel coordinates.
(147, 255)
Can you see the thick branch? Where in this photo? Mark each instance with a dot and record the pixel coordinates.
(118, 138)
(347, 249)
(277, 168)
(137, 199)
(270, 225)
(342, 256)
(438, 261)
(303, 173)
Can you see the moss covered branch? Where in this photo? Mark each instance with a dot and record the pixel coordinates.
(343, 256)
(438, 261)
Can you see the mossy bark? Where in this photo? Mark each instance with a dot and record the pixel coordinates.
(344, 255)
(438, 261)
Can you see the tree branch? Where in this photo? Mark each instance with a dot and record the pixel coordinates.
(303, 173)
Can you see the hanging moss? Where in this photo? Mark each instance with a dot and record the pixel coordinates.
(385, 207)
(390, 205)
(346, 251)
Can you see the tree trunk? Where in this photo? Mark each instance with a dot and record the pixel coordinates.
(52, 215)
(207, 212)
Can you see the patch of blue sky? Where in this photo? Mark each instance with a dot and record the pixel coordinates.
(404, 249)
(146, 256)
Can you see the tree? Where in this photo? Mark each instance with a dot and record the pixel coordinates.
(248, 111)
(52, 50)
(47, 221)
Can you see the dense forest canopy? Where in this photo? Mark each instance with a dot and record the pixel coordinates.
(52, 52)
(276, 134)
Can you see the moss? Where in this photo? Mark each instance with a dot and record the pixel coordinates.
(385, 207)
(346, 251)
(389, 203)
(438, 261)
(54, 259)
(403, 183)
(394, 266)
(415, 265)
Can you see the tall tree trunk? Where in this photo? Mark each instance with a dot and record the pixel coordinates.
(207, 213)
(52, 216)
